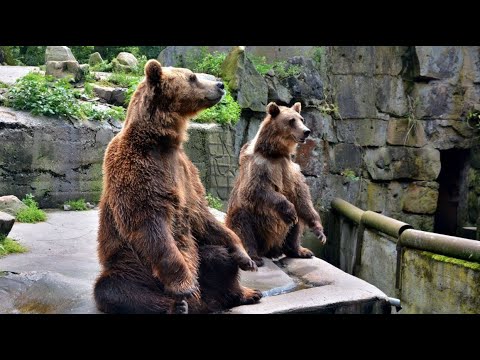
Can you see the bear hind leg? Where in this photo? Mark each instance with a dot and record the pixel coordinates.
(292, 247)
(243, 224)
(114, 294)
(219, 281)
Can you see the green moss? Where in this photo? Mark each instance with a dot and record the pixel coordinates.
(10, 246)
(450, 260)
(3, 85)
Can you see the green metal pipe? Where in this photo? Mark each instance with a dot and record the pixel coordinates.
(452, 246)
(347, 210)
(384, 224)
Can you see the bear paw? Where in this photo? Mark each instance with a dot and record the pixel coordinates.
(302, 253)
(258, 260)
(250, 296)
(180, 307)
(244, 262)
(318, 231)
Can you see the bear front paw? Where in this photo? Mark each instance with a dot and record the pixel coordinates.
(318, 231)
(245, 262)
(288, 213)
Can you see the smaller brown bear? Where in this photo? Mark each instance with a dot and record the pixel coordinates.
(270, 202)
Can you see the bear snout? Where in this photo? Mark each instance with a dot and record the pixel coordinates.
(220, 85)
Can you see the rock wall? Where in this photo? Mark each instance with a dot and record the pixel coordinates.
(54, 159)
(380, 119)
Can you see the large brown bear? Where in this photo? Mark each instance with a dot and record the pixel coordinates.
(270, 201)
(160, 248)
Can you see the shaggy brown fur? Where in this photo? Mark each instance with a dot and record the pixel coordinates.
(270, 202)
(157, 242)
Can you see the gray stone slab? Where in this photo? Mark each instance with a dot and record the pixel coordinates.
(338, 292)
(269, 279)
(10, 74)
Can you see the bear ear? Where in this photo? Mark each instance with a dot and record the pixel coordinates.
(153, 71)
(273, 109)
(297, 107)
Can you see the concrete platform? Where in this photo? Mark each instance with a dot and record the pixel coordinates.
(57, 274)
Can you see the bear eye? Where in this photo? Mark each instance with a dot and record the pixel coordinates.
(192, 77)
(291, 122)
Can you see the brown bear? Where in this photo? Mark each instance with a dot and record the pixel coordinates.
(270, 202)
(160, 248)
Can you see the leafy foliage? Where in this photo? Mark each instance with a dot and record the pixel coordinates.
(214, 202)
(209, 63)
(43, 95)
(281, 68)
(227, 111)
(10, 246)
(31, 214)
(350, 174)
(77, 205)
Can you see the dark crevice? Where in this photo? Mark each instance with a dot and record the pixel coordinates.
(82, 168)
(35, 172)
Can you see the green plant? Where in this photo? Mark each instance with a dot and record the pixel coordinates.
(318, 54)
(214, 202)
(260, 63)
(82, 53)
(3, 85)
(282, 69)
(31, 214)
(104, 66)
(208, 63)
(10, 246)
(43, 95)
(126, 81)
(350, 174)
(77, 205)
(329, 109)
(227, 111)
(473, 119)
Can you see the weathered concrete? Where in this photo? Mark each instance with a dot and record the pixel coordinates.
(336, 292)
(434, 286)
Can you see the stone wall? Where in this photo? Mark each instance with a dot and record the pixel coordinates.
(429, 283)
(54, 159)
(380, 118)
(210, 147)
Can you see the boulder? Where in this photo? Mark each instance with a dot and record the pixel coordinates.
(276, 91)
(241, 77)
(125, 62)
(6, 224)
(61, 69)
(95, 59)
(58, 53)
(10, 204)
(388, 163)
(111, 95)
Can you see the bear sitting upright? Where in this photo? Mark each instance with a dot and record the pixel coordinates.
(270, 201)
(160, 248)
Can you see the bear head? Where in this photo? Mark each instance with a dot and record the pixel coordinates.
(287, 123)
